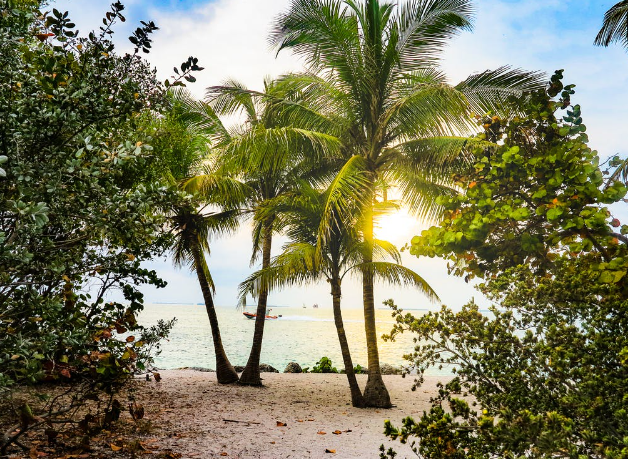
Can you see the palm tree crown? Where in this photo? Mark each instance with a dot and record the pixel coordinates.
(372, 81)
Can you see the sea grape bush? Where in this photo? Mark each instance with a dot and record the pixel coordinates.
(546, 368)
(81, 205)
(537, 194)
(75, 211)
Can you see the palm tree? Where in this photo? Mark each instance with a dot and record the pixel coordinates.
(185, 134)
(269, 157)
(615, 26)
(303, 261)
(193, 229)
(372, 77)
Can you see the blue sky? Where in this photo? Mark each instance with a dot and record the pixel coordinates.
(229, 38)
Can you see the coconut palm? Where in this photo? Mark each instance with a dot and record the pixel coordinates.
(193, 229)
(268, 157)
(185, 132)
(302, 261)
(372, 77)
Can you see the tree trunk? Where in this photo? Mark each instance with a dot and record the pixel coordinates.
(251, 374)
(375, 392)
(225, 373)
(357, 399)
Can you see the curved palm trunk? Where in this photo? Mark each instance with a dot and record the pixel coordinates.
(225, 373)
(357, 399)
(251, 374)
(375, 392)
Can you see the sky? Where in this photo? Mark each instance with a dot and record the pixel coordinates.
(229, 37)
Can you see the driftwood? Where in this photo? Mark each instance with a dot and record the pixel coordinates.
(243, 422)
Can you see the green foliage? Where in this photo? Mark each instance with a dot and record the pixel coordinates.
(359, 369)
(80, 208)
(537, 194)
(546, 367)
(324, 365)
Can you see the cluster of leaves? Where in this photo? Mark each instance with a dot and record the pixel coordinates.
(324, 365)
(537, 194)
(548, 369)
(80, 203)
(547, 366)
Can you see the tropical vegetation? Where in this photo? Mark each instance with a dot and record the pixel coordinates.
(104, 168)
(547, 366)
(373, 83)
(80, 210)
(307, 259)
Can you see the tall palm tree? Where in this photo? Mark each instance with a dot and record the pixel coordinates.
(268, 156)
(185, 133)
(302, 261)
(373, 77)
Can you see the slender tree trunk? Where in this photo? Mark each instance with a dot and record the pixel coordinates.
(225, 373)
(357, 399)
(375, 392)
(251, 374)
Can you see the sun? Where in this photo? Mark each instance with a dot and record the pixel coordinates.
(398, 227)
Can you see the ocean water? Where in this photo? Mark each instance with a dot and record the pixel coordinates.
(301, 335)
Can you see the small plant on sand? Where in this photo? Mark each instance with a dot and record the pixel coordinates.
(359, 369)
(324, 365)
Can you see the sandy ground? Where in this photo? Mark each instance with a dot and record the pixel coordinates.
(191, 410)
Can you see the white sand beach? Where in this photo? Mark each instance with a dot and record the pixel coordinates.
(199, 418)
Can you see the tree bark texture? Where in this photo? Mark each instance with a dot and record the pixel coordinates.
(357, 399)
(225, 373)
(375, 393)
(251, 374)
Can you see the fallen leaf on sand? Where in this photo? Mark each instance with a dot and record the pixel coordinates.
(299, 420)
(224, 454)
(281, 424)
(332, 451)
(320, 432)
(115, 447)
(272, 442)
(348, 430)
(336, 432)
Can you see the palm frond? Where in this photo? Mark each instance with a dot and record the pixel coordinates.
(431, 110)
(295, 266)
(218, 188)
(419, 191)
(345, 193)
(615, 26)
(231, 98)
(486, 92)
(384, 249)
(425, 26)
(397, 274)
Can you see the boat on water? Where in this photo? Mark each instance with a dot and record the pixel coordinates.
(250, 315)
(315, 305)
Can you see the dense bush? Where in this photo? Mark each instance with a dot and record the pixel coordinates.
(82, 202)
(547, 366)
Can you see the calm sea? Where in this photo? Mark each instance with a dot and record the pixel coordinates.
(302, 335)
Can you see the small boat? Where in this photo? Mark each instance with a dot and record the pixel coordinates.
(315, 305)
(250, 315)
